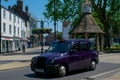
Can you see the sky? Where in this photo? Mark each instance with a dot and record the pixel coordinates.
(36, 9)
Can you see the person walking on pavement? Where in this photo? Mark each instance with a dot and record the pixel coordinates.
(23, 47)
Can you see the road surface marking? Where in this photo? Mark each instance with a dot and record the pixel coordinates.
(101, 74)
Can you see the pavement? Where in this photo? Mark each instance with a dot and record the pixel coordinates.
(113, 74)
(18, 60)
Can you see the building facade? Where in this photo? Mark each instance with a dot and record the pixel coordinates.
(13, 31)
(18, 10)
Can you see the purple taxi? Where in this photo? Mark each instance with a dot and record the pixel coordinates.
(65, 56)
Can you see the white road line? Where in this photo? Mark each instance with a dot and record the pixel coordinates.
(101, 74)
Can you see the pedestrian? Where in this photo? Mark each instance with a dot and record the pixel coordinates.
(23, 48)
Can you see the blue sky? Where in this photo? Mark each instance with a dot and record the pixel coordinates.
(36, 8)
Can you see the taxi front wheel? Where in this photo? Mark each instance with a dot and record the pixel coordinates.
(93, 65)
(62, 71)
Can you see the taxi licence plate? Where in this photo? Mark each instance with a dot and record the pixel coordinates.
(39, 70)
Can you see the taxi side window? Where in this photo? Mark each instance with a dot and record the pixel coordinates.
(84, 47)
(76, 47)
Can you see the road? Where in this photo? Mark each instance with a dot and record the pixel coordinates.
(109, 64)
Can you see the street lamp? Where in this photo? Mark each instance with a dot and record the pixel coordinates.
(42, 27)
(0, 26)
(54, 20)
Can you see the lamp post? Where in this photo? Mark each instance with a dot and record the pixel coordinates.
(42, 27)
(0, 26)
(54, 20)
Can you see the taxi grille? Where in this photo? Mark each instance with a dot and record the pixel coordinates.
(40, 62)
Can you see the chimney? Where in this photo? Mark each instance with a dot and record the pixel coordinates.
(9, 7)
(26, 9)
(20, 5)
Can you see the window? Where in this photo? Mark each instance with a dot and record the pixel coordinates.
(84, 46)
(10, 16)
(18, 20)
(4, 14)
(14, 18)
(10, 29)
(76, 47)
(18, 30)
(4, 27)
(92, 45)
(61, 47)
(14, 30)
(21, 33)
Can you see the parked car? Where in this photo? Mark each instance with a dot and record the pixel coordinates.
(64, 56)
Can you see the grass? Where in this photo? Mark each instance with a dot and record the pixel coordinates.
(113, 48)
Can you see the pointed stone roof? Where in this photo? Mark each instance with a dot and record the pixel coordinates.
(87, 24)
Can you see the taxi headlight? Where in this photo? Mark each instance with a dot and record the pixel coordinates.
(34, 59)
(52, 61)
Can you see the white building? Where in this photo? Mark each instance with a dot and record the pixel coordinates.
(13, 31)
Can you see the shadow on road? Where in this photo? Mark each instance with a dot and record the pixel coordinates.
(41, 76)
(32, 75)
(101, 68)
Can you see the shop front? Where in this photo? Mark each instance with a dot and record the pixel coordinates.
(17, 44)
(7, 44)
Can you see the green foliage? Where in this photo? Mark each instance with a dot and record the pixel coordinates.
(95, 15)
(59, 35)
(40, 30)
(49, 13)
(105, 12)
(65, 9)
(113, 48)
(114, 16)
(71, 9)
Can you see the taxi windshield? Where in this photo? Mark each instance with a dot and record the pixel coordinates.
(61, 47)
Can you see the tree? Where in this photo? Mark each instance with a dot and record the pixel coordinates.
(40, 30)
(65, 10)
(104, 11)
(49, 13)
